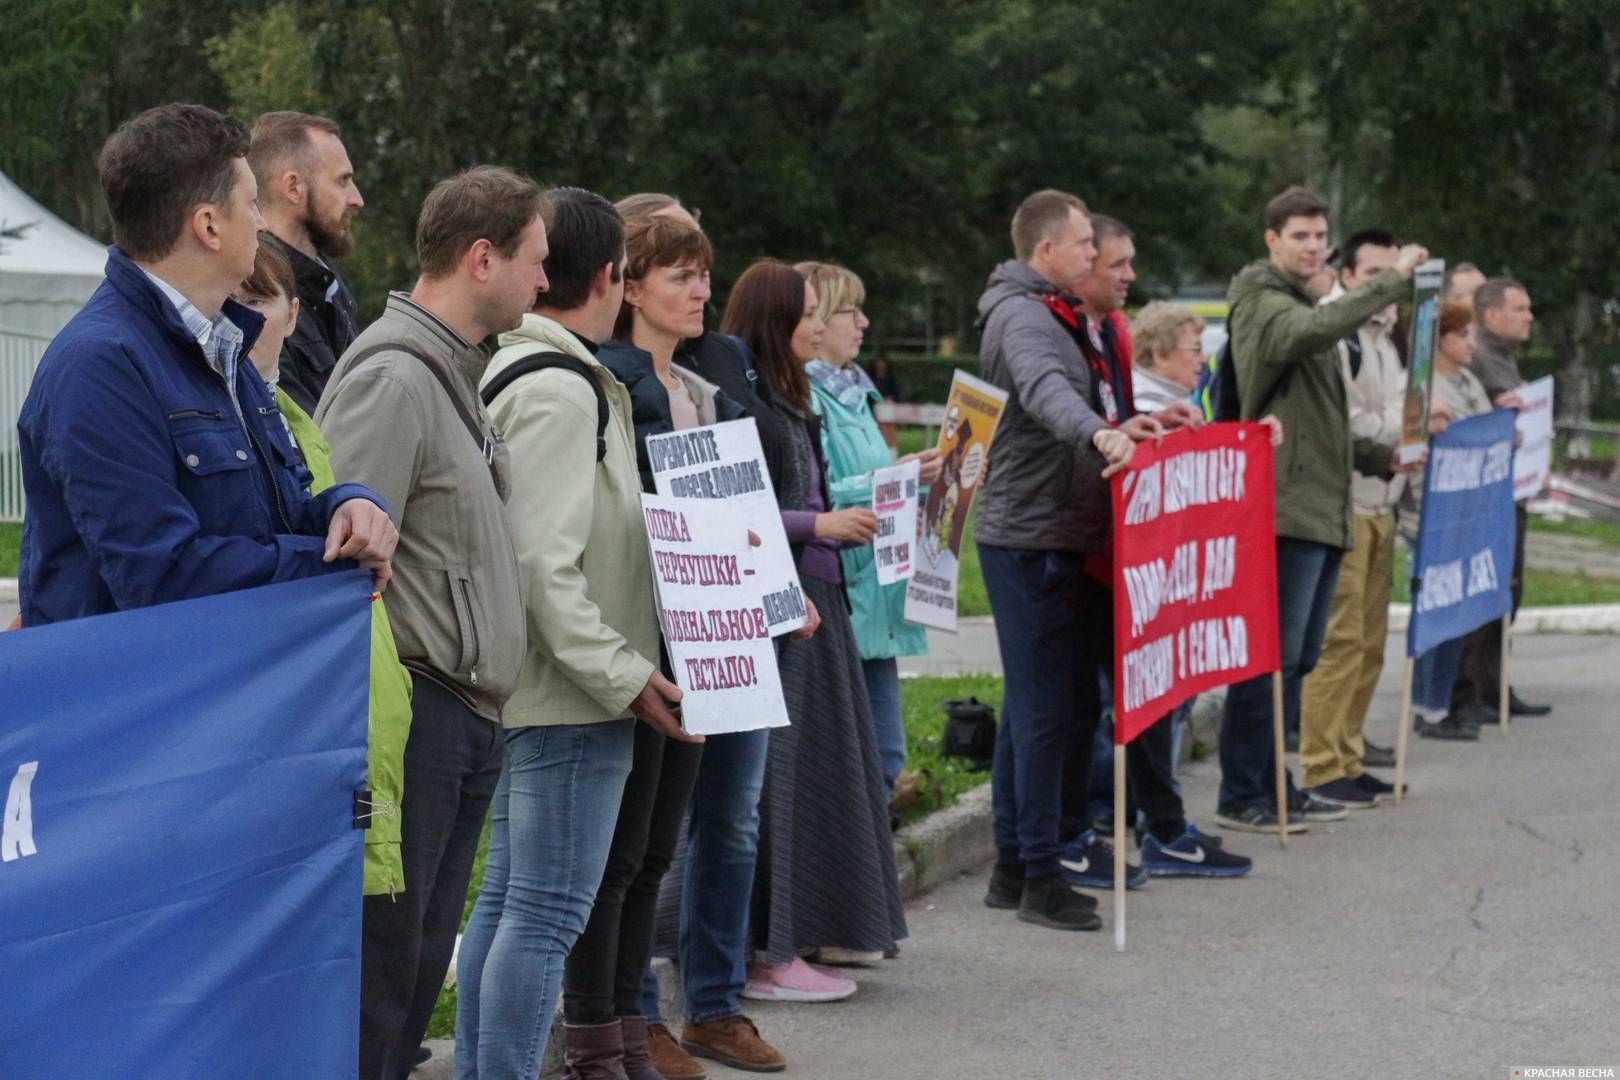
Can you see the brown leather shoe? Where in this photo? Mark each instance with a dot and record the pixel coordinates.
(668, 1057)
(732, 1041)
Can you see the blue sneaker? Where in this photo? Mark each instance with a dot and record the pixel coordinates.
(1088, 862)
(1192, 854)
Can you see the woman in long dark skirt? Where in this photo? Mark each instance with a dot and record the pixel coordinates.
(826, 874)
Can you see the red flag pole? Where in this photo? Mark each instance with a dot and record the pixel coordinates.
(1406, 726)
(1507, 637)
(1282, 761)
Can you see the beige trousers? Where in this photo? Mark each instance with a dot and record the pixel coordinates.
(1337, 693)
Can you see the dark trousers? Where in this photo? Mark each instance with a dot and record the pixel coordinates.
(1479, 673)
(1150, 765)
(603, 976)
(1051, 618)
(1307, 573)
(452, 764)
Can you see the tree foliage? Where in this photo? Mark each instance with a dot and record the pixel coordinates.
(897, 137)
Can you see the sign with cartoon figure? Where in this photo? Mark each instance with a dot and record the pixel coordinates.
(1426, 284)
(971, 414)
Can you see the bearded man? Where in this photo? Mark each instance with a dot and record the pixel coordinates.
(308, 197)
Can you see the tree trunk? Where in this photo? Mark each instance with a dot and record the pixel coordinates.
(1572, 336)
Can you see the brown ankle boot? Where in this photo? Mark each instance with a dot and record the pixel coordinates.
(593, 1052)
(637, 1062)
(669, 1059)
(734, 1041)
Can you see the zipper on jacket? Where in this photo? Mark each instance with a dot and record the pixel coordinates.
(270, 475)
(264, 462)
(197, 414)
(472, 624)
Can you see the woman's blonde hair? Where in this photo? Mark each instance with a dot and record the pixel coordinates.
(1158, 326)
(836, 287)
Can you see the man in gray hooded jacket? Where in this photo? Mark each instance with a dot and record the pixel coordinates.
(1044, 509)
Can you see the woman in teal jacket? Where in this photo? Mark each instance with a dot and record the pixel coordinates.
(842, 396)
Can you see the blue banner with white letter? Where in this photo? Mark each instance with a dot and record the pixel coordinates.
(180, 871)
(1464, 562)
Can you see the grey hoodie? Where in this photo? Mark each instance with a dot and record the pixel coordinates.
(1045, 490)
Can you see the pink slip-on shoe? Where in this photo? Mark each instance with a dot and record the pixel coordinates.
(795, 981)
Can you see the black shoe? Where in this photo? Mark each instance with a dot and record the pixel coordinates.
(1291, 742)
(1050, 902)
(1454, 728)
(1309, 808)
(1006, 888)
(423, 1056)
(1343, 792)
(1256, 818)
(1378, 789)
(1517, 706)
(1377, 757)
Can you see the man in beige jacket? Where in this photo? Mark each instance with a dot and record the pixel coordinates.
(402, 410)
(592, 666)
(1338, 692)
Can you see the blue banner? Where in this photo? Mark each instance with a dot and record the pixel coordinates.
(180, 874)
(1464, 561)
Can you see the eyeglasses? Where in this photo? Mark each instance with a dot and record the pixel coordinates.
(854, 309)
(1199, 349)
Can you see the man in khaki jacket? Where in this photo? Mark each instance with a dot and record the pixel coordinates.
(592, 662)
(402, 410)
(1337, 693)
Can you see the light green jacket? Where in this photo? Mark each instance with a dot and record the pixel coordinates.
(583, 560)
(389, 719)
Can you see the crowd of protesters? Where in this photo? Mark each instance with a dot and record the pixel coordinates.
(215, 419)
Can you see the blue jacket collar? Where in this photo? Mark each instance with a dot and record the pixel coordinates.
(136, 289)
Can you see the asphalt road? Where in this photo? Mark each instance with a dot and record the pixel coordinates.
(1467, 932)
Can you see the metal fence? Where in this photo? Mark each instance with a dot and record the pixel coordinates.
(19, 356)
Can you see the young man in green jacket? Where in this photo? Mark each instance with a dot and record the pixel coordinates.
(1286, 352)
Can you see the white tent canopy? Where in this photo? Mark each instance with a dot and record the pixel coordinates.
(48, 269)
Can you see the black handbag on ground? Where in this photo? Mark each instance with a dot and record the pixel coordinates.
(970, 732)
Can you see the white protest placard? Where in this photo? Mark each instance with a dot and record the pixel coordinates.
(724, 462)
(894, 501)
(714, 625)
(1532, 461)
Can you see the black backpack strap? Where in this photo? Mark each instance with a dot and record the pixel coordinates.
(540, 361)
(484, 438)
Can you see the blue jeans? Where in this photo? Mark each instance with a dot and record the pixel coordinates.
(1433, 676)
(722, 845)
(883, 690)
(550, 828)
(1306, 575)
(1054, 625)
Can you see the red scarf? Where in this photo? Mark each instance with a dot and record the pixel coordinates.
(1118, 402)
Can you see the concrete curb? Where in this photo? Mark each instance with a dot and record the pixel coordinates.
(1569, 619)
(8, 590)
(946, 843)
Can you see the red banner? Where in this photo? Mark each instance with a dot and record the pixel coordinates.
(1195, 570)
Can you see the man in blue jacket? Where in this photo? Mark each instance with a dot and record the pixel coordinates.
(154, 460)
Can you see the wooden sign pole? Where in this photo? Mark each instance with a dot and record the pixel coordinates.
(1282, 759)
(1406, 727)
(1119, 848)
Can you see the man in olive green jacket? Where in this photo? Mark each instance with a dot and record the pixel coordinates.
(1286, 352)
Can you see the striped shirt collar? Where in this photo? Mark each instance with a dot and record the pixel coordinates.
(220, 338)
